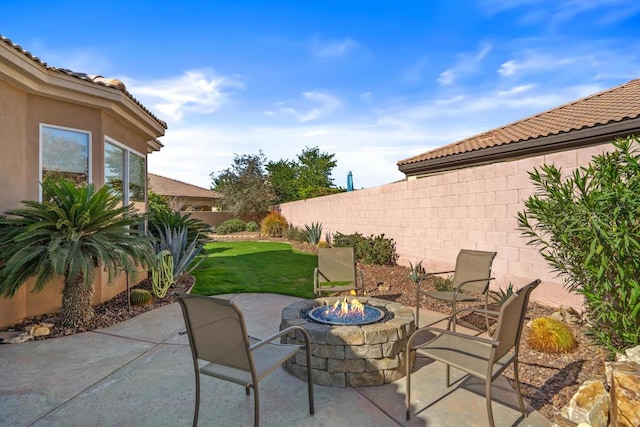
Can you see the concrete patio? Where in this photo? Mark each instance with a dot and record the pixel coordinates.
(140, 373)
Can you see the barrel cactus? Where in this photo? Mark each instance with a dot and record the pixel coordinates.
(550, 335)
(140, 297)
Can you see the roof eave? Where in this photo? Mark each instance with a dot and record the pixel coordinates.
(552, 143)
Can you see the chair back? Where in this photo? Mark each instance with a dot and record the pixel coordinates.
(511, 320)
(471, 265)
(337, 264)
(217, 331)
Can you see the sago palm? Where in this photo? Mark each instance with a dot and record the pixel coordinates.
(73, 233)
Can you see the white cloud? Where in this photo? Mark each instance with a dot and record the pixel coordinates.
(466, 64)
(195, 91)
(414, 73)
(333, 48)
(318, 105)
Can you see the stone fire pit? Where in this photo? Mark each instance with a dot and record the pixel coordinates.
(350, 355)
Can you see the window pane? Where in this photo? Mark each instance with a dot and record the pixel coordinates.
(137, 178)
(114, 168)
(65, 154)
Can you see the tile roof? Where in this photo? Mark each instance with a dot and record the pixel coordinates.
(174, 188)
(103, 81)
(613, 105)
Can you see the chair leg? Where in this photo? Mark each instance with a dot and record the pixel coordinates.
(246, 389)
(448, 376)
(197, 408)
(417, 305)
(310, 382)
(408, 399)
(487, 390)
(256, 404)
(486, 315)
(519, 393)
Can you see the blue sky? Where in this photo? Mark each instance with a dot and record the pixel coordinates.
(372, 81)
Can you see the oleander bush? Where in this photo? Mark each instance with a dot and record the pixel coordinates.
(586, 227)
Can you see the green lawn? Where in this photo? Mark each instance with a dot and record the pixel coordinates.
(233, 267)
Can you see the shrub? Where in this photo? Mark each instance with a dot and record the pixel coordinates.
(550, 335)
(313, 232)
(273, 224)
(443, 284)
(322, 244)
(252, 226)
(140, 297)
(586, 226)
(231, 226)
(369, 250)
(295, 234)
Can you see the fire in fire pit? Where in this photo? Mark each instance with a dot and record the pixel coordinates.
(346, 313)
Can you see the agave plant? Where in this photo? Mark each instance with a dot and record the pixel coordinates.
(501, 295)
(313, 232)
(416, 273)
(73, 233)
(182, 250)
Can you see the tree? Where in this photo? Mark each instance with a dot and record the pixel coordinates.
(244, 186)
(587, 225)
(307, 177)
(315, 172)
(74, 232)
(283, 176)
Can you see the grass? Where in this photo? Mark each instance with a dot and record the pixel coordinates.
(271, 267)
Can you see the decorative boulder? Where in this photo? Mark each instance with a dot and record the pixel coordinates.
(589, 405)
(624, 381)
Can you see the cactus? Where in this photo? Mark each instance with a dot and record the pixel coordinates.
(550, 335)
(162, 273)
(140, 297)
(322, 244)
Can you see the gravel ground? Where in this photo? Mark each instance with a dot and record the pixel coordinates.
(548, 380)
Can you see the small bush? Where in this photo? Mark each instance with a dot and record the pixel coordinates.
(443, 284)
(140, 297)
(274, 224)
(252, 226)
(369, 250)
(550, 335)
(313, 232)
(231, 226)
(295, 234)
(322, 244)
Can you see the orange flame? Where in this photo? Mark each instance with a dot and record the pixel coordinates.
(344, 308)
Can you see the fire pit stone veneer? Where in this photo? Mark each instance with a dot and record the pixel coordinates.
(350, 355)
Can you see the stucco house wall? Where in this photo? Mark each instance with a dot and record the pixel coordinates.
(34, 94)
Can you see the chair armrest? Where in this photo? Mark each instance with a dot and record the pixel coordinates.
(435, 273)
(446, 332)
(285, 331)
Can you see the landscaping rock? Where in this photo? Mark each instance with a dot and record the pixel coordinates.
(625, 394)
(589, 405)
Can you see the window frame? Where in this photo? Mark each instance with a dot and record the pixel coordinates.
(89, 134)
(125, 179)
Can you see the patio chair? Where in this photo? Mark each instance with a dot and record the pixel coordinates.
(484, 358)
(470, 281)
(218, 336)
(337, 272)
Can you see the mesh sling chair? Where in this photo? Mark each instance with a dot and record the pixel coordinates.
(337, 272)
(483, 358)
(218, 336)
(470, 280)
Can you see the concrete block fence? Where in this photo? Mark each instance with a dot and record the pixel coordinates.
(433, 217)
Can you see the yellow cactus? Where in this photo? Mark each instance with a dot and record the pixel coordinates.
(550, 335)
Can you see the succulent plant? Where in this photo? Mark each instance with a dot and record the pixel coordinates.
(313, 232)
(322, 244)
(162, 273)
(550, 335)
(140, 297)
(501, 295)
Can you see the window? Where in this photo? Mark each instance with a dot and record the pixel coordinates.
(125, 173)
(65, 153)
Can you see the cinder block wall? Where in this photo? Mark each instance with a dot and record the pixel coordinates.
(432, 218)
